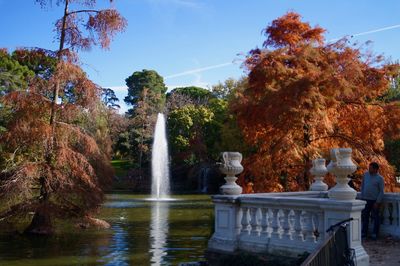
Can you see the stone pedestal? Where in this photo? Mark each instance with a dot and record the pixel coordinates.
(227, 224)
(336, 211)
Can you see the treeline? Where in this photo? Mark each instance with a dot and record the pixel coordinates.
(299, 98)
(199, 126)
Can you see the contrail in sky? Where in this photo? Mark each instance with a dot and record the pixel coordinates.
(201, 69)
(197, 70)
(369, 32)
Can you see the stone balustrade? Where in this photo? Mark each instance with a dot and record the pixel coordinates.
(292, 223)
(286, 224)
(390, 215)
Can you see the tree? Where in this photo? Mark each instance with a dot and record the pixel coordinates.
(392, 145)
(13, 75)
(187, 130)
(142, 126)
(55, 167)
(305, 97)
(198, 118)
(196, 94)
(109, 98)
(41, 61)
(145, 79)
(193, 125)
(146, 95)
(230, 137)
(225, 90)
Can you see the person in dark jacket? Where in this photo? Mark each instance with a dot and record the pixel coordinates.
(372, 191)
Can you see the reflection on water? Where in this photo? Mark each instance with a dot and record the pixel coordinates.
(141, 233)
(158, 231)
(119, 246)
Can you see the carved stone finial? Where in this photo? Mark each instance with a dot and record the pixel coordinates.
(230, 168)
(319, 171)
(341, 166)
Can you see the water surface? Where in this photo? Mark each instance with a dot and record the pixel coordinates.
(142, 233)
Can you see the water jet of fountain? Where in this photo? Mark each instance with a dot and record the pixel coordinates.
(159, 161)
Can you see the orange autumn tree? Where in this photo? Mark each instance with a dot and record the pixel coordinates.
(304, 97)
(55, 168)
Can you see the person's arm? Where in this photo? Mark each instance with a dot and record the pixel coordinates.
(362, 186)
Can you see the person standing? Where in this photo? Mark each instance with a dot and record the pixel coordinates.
(372, 188)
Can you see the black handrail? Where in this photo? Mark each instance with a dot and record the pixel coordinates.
(338, 224)
(334, 250)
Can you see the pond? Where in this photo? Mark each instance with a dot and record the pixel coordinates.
(142, 233)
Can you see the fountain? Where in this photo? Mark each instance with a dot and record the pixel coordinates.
(159, 162)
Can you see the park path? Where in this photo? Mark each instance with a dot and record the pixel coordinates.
(384, 251)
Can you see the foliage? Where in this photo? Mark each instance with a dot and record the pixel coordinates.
(393, 93)
(118, 132)
(146, 95)
(196, 94)
(230, 137)
(82, 29)
(42, 62)
(121, 167)
(52, 165)
(109, 98)
(228, 88)
(199, 125)
(142, 124)
(305, 97)
(13, 75)
(187, 131)
(78, 168)
(189, 121)
(392, 149)
(145, 79)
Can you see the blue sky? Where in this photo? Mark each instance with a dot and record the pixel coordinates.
(198, 42)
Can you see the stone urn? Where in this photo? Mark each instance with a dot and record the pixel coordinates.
(230, 167)
(318, 171)
(341, 166)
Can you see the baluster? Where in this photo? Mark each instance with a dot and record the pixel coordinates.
(319, 223)
(286, 225)
(391, 212)
(387, 206)
(245, 221)
(308, 228)
(275, 224)
(297, 226)
(264, 222)
(315, 225)
(254, 221)
(396, 213)
(382, 213)
(238, 221)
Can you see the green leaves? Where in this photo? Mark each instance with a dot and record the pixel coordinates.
(13, 75)
(188, 128)
(145, 79)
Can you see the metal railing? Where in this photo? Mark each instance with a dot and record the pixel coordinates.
(334, 250)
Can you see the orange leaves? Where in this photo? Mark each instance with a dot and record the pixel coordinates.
(289, 31)
(106, 24)
(81, 29)
(303, 99)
